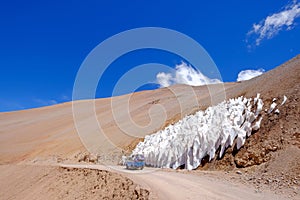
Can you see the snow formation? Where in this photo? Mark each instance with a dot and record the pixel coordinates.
(284, 100)
(189, 140)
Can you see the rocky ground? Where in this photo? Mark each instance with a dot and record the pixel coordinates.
(37, 181)
(96, 184)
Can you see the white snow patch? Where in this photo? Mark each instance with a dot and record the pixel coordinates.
(273, 105)
(189, 140)
(284, 100)
(256, 125)
(260, 105)
(256, 98)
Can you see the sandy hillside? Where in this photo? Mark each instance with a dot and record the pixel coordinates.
(269, 160)
(50, 131)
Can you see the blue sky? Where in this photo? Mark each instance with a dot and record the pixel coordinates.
(42, 44)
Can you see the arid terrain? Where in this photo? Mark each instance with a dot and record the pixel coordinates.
(34, 144)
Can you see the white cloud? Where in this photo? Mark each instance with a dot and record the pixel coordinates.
(184, 74)
(65, 97)
(164, 79)
(43, 102)
(271, 25)
(10, 105)
(249, 74)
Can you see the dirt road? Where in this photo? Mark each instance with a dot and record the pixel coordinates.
(169, 184)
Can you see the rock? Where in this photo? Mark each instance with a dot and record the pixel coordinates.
(295, 188)
(239, 172)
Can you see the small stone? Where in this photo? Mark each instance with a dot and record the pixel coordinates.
(239, 172)
(295, 189)
(295, 192)
(269, 181)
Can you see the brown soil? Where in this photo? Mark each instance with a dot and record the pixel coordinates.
(44, 182)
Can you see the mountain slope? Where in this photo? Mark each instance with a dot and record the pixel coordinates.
(50, 131)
